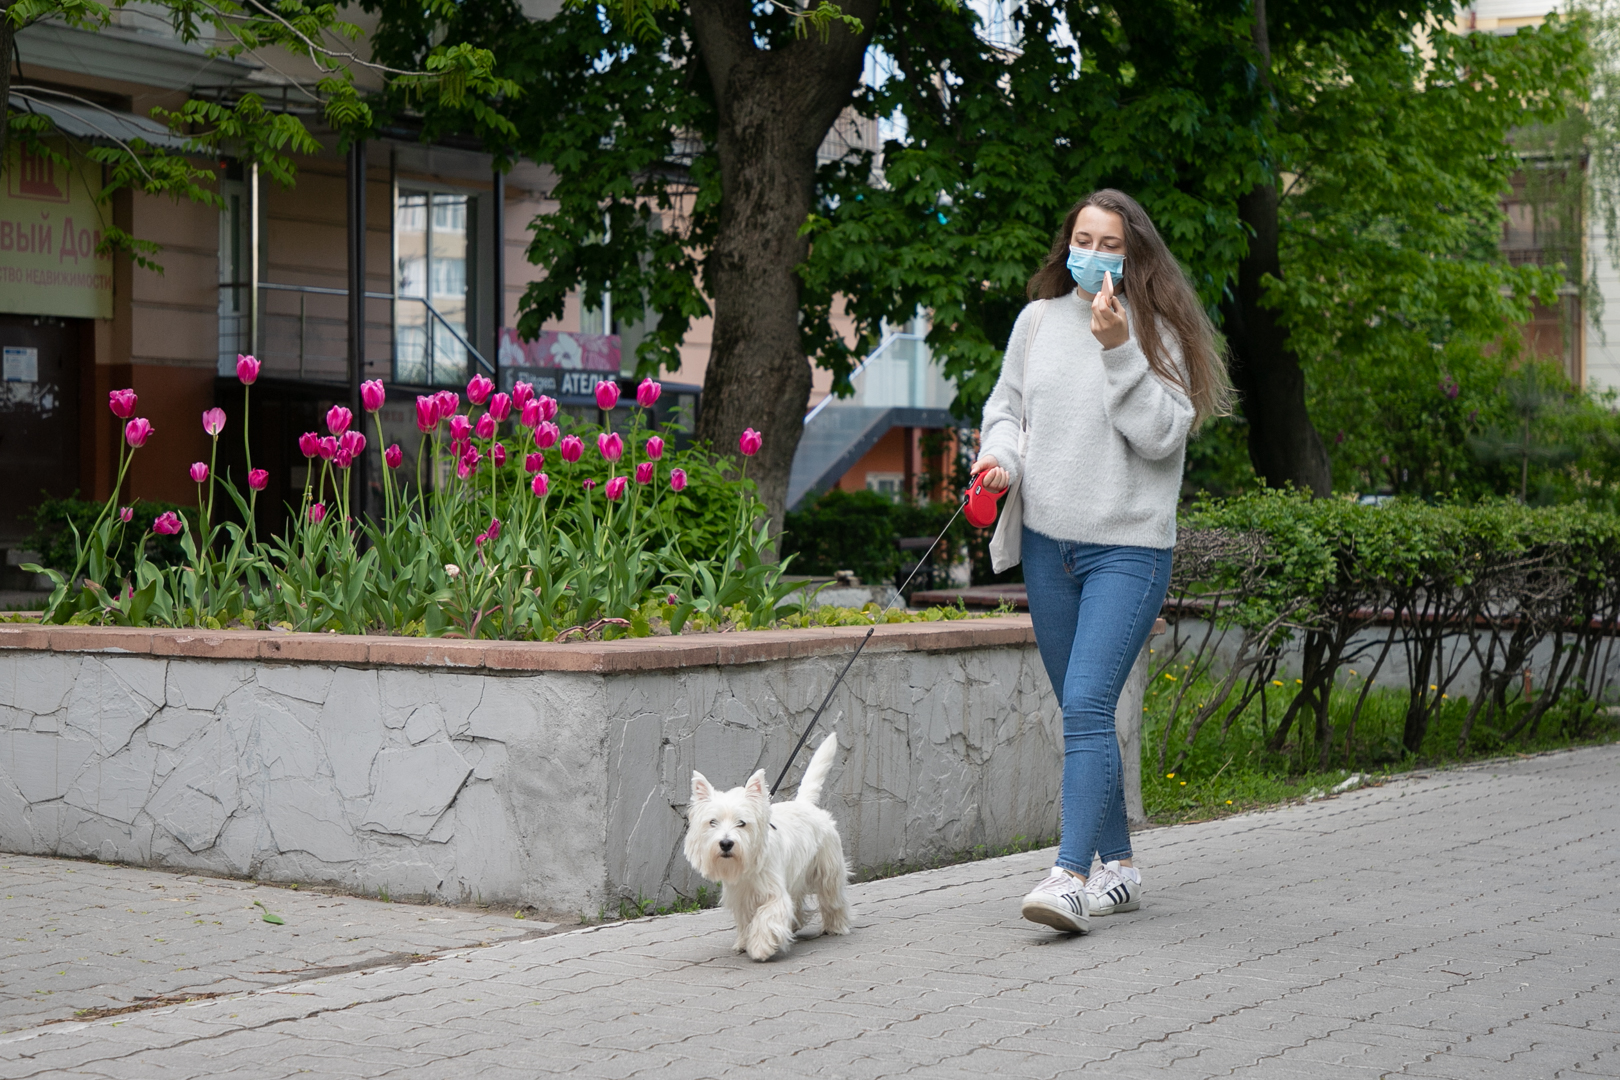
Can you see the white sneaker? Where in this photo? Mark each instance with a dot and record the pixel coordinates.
(1059, 902)
(1114, 888)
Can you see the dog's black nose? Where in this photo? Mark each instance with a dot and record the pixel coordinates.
(726, 846)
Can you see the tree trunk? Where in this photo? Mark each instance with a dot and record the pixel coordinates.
(1283, 445)
(775, 107)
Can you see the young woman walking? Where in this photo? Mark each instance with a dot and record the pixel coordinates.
(1109, 369)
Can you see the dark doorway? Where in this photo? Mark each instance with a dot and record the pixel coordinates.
(39, 417)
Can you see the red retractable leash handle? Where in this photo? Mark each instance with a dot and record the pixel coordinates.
(981, 503)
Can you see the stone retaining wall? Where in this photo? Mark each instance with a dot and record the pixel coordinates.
(543, 774)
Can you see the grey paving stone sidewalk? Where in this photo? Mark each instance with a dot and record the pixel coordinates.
(1460, 925)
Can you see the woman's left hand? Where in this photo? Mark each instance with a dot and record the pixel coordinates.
(1108, 323)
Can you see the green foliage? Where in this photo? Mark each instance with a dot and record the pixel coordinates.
(857, 530)
(59, 524)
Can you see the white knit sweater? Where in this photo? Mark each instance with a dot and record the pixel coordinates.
(1106, 436)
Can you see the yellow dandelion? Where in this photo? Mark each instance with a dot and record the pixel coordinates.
(1352, 671)
(1299, 682)
(1169, 676)
(1445, 697)
(1433, 687)
(1169, 776)
(1228, 802)
(1276, 682)
(1184, 783)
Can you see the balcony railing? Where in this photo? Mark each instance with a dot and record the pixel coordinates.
(303, 333)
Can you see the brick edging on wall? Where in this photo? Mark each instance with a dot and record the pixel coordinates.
(628, 654)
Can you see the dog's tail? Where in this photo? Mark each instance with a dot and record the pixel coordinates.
(816, 774)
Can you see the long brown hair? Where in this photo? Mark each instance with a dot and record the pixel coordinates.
(1158, 289)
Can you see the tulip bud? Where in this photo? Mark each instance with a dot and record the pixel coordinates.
(749, 442)
(500, 407)
(498, 454)
(607, 394)
(647, 393)
(571, 449)
(540, 485)
(546, 434)
(317, 513)
(199, 471)
(258, 479)
(485, 427)
(548, 407)
(393, 456)
(167, 523)
(309, 443)
(452, 570)
(491, 533)
(655, 448)
(126, 514)
(478, 389)
(460, 428)
(353, 442)
(465, 467)
(448, 401)
(534, 463)
(328, 448)
(338, 419)
(344, 458)
(615, 488)
(137, 431)
(122, 403)
(677, 479)
(247, 369)
(588, 485)
(372, 395)
(530, 415)
(427, 414)
(522, 394)
(610, 445)
(644, 473)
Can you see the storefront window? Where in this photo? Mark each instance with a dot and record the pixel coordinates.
(433, 246)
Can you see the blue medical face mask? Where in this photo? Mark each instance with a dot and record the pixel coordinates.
(1087, 265)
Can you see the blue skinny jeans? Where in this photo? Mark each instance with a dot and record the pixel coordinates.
(1093, 606)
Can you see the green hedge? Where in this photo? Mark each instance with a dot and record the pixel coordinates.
(857, 530)
(1438, 585)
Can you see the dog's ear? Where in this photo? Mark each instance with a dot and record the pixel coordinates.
(702, 790)
(755, 788)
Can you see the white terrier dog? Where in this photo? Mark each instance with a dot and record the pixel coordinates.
(769, 859)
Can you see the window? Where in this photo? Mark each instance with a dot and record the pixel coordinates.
(890, 484)
(432, 254)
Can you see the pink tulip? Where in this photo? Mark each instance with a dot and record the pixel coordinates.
(485, 426)
(655, 448)
(615, 488)
(465, 467)
(137, 431)
(571, 449)
(522, 394)
(258, 479)
(126, 514)
(498, 454)
(530, 414)
(644, 473)
(749, 442)
(500, 407)
(427, 414)
(548, 407)
(540, 485)
(317, 513)
(491, 533)
(458, 448)
(247, 369)
(671, 599)
(372, 395)
(546, 434)
(309, 443)
(343, 459)
(338, 419)
(534, 463)
(327, 448)
(167, 523)
(611, 446)
(122, 403)
(213, 421)
(677, 479)
(353, 443)
(199, 471)
(588, 485)
(393, 456)
(647, 393)
(449, 402)
(478, 389)
(460, 428)
(607, 394)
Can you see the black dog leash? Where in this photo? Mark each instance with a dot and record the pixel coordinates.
(830, 690)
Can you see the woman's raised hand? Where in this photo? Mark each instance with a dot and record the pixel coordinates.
(1108, 323)
(996, 479)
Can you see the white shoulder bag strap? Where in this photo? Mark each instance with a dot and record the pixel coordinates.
(1007, 545)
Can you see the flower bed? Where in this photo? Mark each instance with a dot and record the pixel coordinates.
(552, 774)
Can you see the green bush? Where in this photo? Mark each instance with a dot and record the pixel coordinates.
(857, 530)
(56, 519)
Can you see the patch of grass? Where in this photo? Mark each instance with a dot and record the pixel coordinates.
(1237, 771)
(643, 908)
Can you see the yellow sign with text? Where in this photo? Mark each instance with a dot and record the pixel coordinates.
(50, 226)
